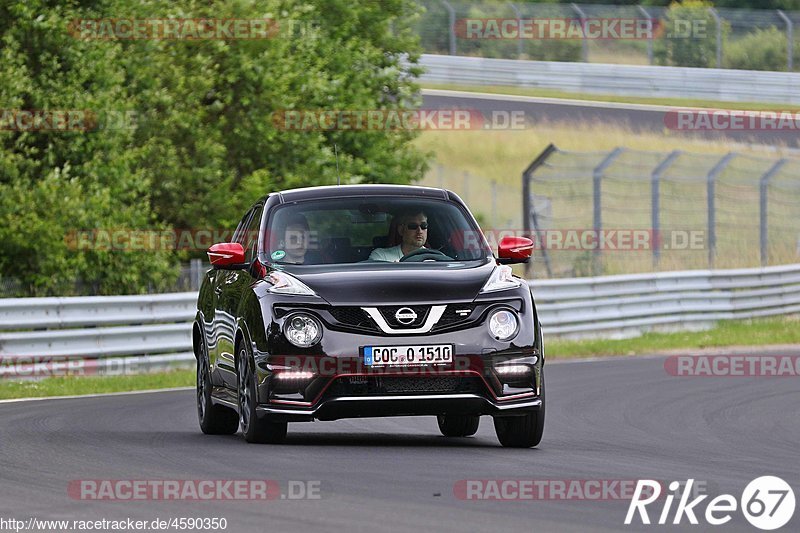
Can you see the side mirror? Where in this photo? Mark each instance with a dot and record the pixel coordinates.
(514, 250)
(226, 255)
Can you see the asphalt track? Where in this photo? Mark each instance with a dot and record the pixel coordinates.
(578, 113)
(617, 419)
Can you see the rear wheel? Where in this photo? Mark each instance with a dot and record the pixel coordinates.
(458, 425)
(521, 431)
(254, 429)
(214, 419)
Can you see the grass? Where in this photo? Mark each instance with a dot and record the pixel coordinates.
(553, 93)
(484, 167)
(76, 385)
(755, 332)
(502, 155)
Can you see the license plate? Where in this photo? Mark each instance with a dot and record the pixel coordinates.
(408, 355)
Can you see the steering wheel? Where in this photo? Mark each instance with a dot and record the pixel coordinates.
(425, 254)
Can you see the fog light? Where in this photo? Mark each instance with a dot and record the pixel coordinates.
(294, 375)
(302, 330)
(503, 325)
(512, 370)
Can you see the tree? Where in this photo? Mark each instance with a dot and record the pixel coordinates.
(204, 145)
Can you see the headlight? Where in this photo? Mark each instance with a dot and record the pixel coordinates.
(302, 330)
(503, 325)
(501, 279)
(283, 283)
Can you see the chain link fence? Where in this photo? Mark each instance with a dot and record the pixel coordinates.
(690, 36)
(627, 211)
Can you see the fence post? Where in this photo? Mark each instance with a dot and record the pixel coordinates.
(712, 215)
(655, 190)
(649, 19)
(519, 28)
(195, 273)
(584, 42)
(529, 213)
(597, 178)
(494, 201)
(718, 21)
(451, 16)
(762, 195)
(789, 40)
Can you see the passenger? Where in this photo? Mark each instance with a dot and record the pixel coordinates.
(412, 229)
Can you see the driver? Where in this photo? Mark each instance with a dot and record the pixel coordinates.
(412, 227)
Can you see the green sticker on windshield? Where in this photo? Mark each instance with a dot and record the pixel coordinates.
(277, 255)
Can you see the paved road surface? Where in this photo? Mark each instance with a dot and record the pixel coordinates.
(612, 419)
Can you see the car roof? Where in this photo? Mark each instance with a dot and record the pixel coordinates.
(334, 191)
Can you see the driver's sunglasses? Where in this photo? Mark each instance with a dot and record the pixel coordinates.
(413, 226)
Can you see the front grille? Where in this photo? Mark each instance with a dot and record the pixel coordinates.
(354, 317)
(382, 385)
(389, 313)
(455, 314)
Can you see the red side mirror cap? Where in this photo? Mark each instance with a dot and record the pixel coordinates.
(226, 254)
(514, 250)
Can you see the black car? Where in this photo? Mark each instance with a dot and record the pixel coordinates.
(367, 301)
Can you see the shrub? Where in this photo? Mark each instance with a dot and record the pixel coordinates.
(764, 49)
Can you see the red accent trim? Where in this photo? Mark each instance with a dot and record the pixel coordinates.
(447, 372)
(514, 248)
(226, 254)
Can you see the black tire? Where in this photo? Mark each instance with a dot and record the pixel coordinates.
(458, 425)
(521, 431)
(214, 419)
(255, 430)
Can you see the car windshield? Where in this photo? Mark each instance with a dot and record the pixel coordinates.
(371, 230)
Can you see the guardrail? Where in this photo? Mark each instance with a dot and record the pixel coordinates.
(154, 331)
(628, 305)
(622, 80)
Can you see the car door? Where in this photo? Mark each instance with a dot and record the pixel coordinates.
(221, 345)
(231, 286)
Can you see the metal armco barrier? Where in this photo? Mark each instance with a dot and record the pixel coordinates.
(629, 305)
(623, 80)
(101, 328)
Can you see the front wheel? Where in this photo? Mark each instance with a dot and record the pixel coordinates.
(458, 425)
(521, 431)
(214, 419)
(255, 430)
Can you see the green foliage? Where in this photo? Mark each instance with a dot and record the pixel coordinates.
(433, 26)
(690, 36)
(764, 49)
(204, 145)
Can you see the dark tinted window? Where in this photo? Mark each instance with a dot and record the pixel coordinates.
(347, 230)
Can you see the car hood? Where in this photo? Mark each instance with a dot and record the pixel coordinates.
(397, 285)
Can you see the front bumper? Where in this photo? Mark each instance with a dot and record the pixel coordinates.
(400, 405)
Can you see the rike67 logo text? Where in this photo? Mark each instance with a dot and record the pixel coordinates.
(767, 503)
